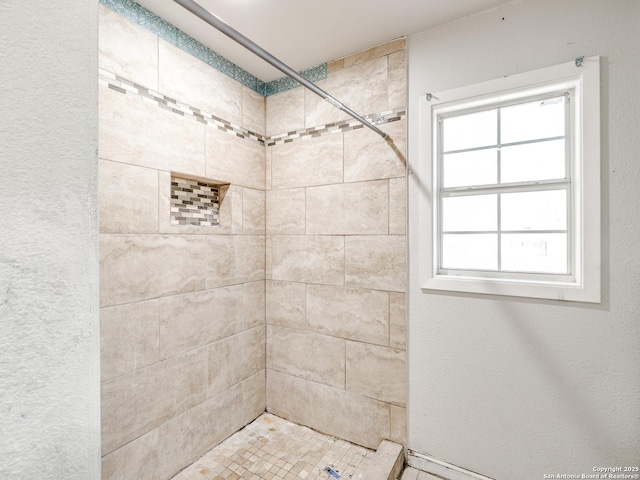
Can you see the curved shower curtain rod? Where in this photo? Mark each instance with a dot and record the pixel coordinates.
(220, 25)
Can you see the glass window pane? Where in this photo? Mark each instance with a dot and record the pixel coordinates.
(478, 167)
(470, 131)
(532, 120)
(470, 252)
(544, 210)
(535, 252)
(477, 213)
(533, 161)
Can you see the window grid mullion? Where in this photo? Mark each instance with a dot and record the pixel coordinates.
(499, 197)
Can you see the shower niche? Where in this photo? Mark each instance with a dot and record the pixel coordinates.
(195, 201)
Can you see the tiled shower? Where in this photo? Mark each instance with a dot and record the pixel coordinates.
(294, 302)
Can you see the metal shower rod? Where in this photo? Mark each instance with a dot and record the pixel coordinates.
(229, 31)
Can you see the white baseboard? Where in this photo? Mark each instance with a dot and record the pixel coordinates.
(440, 468)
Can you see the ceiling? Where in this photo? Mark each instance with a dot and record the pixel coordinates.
(305, 33)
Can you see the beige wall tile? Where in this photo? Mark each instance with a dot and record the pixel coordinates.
(268, 274)
(367, 156)
(377, 372)
(286, 304)
(128, 338)
(308, 259)
(141, 267)
(253, 211)
(363, 88)
(199, 318)
(398, 206)
(397, 79)
(285, 111)
(287, 396)
(139, 133)
(188, 436)
(269, 349)
(254, 301)
(233, 259)
(335, 66)
(235, 359)
(353, 417)
(350, 313)
(376, 261)
(253, 111)
(308, 355)
(234, 160)
(254, 391)
(286, 211)
(375, 52)
(128, 198)
(193, 82)
(316, 161)
(116, 35)
(137, 460)
(267, 151)
(398, 425)
(134, 404)
(398, 320)
(349, 208)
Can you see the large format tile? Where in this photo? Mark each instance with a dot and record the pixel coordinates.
(128, 338)
(189, 435)
(375, 52)
(363, 88)
(254, 304)
(368, 156)
(308, 259)
(397, 79)
(353, 417)
(398, 206)
(199, 318)
(253, 211)
(286, 304)
(398, 425)
(137, 460)
(308, 355)
(254, 391)
(139, 133)
(116, 35)
(285, 111)
(253, 111)
(348, 208)
(286, 211)
(128, 198)
(351, 313)
(316, 161)
(193, 82)
(376, 261)
(141, 267)
(397, 320)
(134, 404)
(377, 372)
(235, 359)
(233, 259)
(287, 396)
(234, 160)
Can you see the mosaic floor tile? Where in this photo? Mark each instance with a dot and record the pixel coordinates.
(272, 448)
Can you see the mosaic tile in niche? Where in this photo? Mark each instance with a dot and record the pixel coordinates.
(194, 202)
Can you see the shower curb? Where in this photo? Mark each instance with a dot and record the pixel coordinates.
(387, 463)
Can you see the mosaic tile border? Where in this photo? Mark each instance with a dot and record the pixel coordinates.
(163, 29)
(127, 87)
(194, 202)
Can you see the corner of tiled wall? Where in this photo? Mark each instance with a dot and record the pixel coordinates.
(336, 255)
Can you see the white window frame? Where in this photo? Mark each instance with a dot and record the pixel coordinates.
(583, 284)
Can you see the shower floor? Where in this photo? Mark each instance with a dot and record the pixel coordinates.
(272, 448)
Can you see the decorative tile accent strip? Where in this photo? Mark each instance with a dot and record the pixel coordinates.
(194, 202)
(163, 29)
(127, 87)
(337, 127)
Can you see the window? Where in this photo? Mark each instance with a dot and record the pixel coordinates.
(513, 174)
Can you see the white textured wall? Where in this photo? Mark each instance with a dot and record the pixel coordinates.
(515, 388)
(49, 351)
